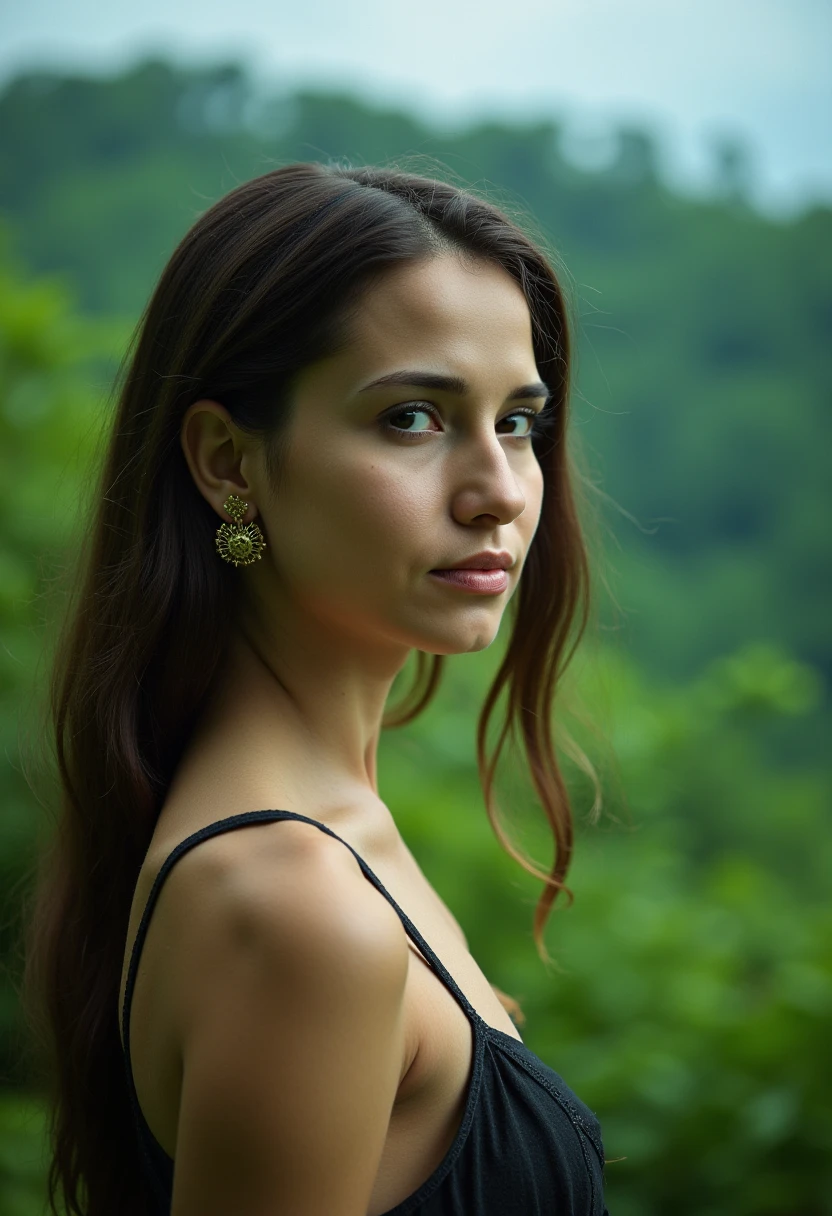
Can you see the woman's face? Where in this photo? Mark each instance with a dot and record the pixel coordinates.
(385, 483)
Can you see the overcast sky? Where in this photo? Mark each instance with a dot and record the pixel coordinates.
(758, 69)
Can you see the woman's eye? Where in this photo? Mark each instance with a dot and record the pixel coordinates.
(526, 427)
(408, 414)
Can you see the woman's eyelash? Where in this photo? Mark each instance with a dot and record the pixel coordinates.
(542, 420)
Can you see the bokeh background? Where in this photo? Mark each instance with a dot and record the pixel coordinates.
(678, 157)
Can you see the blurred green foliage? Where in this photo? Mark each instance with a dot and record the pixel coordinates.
(23, 1162)
(691, 1000)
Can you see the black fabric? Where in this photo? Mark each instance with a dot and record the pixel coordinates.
(527, 1146)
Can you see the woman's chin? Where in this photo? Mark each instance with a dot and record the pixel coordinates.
(460, 642)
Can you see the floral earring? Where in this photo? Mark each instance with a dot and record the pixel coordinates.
(237, 543)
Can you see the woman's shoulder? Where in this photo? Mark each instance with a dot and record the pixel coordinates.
(244, 864)
(278, 885)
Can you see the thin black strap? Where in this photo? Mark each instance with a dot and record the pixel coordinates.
(227, 825)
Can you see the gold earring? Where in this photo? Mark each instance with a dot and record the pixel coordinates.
(241, 545)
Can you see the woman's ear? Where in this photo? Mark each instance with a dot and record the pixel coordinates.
(214, 447)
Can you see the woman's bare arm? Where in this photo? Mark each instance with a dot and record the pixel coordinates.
(293, 1052)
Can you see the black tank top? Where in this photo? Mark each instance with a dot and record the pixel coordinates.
(527, 1146)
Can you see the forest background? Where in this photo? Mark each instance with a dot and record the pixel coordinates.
(690, 1005)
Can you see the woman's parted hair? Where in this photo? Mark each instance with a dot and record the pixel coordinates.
(263, 285)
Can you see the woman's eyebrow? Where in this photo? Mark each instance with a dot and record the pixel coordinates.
(452, 384)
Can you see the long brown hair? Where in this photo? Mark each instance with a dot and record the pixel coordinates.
(262, 285)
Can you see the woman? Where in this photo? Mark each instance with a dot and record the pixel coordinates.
(341, 438)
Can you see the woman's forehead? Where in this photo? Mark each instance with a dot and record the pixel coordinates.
(441, 313)
(445, 290)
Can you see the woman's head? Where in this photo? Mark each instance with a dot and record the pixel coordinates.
(382, 483)
(250, 375)
(287, 297)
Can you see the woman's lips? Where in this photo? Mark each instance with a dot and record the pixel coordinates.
(481, 582)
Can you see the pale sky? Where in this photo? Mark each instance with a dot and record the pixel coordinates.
(756, 69)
